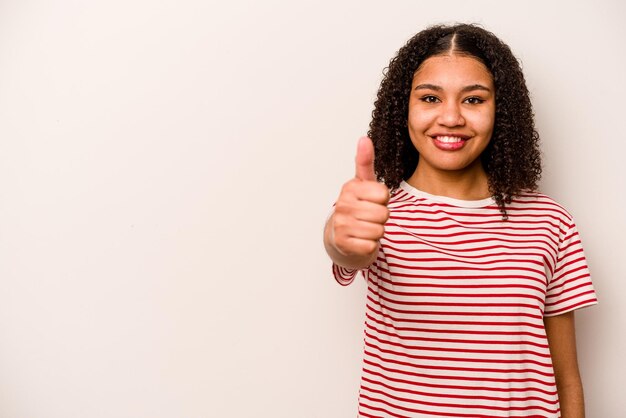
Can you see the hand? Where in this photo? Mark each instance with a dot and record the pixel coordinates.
(361, 209)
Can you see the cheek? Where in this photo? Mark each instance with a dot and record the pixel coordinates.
(418, 122)
(484, 123)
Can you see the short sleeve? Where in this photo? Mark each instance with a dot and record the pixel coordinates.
(570, 287)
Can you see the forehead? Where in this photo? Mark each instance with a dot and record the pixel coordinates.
(452, 69)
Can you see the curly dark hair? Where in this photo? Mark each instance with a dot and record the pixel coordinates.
(512, 159)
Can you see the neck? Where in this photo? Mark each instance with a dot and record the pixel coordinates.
(463, 184)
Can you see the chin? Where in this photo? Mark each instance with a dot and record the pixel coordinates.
(453, 166)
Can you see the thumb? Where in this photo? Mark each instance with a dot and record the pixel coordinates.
(365, 160)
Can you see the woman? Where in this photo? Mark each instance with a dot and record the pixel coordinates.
(473, 276)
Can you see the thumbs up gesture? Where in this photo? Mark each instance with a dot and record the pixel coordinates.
(356, 226)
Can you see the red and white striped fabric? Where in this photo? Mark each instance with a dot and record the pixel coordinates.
(455, 306)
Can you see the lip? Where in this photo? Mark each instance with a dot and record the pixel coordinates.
(450, 146)
(455, 134)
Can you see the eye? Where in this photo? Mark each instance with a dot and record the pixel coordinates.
(474, 100)
(429, 99)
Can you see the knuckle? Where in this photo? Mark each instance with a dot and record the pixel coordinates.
(344, 208)
(370, 247)
(345, 228)
(340, 243)
(341, 206)
(380, 193)
(339, 223)
(348, 187)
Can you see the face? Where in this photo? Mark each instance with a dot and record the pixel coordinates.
(451, 114)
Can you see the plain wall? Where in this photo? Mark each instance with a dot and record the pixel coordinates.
(166, 168)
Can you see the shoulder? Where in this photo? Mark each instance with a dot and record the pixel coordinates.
(399, 197)
(540, 203)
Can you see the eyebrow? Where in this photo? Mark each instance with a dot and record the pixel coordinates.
(471, 87)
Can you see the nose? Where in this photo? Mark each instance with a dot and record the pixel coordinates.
(451, 114)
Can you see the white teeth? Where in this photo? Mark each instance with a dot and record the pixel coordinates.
(449, 139)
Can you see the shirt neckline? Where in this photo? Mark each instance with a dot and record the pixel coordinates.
(489, 201)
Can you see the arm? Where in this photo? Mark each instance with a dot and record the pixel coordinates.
(352, 232)
(562, 340)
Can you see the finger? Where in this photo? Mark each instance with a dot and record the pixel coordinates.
(365, 160)
(358, 246)
(374, 192)
(371, 212)
(368, 230)
(358, 229)
(371, 191)
(361, 210)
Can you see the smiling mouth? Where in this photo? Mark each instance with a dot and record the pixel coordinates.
(450, 138)
(450, 142)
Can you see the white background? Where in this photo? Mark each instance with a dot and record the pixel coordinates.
(166, 168)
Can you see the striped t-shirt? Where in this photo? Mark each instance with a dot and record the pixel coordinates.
(455, 306)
